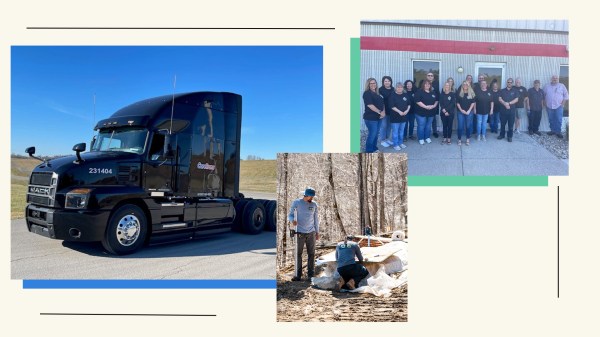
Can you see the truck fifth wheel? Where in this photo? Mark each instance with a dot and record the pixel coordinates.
(161, 169)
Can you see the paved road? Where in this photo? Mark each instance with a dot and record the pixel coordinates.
(226, 256)
(523, 157)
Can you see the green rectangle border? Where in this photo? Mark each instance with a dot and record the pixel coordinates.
(355, 120)
(355, 117)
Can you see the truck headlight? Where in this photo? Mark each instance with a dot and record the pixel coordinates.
(78, 198)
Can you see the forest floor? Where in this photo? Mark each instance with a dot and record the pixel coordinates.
(302, 302)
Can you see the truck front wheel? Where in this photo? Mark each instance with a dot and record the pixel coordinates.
(126, 230)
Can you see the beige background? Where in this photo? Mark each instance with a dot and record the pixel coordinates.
(474, 273)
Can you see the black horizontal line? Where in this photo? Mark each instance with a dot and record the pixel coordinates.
(99, 314)
(185, 28)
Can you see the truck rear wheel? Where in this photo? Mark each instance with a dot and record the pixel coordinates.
(126, 230)
(253, 219)
(271, 212)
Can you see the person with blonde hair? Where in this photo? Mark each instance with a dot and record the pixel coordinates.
(448, 107)
(373, 113)
(451, 81)
(465, 103)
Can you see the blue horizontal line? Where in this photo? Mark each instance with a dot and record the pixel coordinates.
(149, 284)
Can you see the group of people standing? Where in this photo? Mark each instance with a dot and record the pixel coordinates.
(390, 112)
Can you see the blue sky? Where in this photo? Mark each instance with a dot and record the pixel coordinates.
(52, 91)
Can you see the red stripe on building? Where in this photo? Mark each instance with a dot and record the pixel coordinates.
(462, 47)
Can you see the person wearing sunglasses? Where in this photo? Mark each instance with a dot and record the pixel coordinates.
(508, 98)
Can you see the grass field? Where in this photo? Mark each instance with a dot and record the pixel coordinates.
(20, 169)
(255, 175)
(258, 175)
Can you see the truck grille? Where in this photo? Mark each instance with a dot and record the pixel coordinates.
(42, 188)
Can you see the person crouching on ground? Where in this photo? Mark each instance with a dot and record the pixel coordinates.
(350, 271)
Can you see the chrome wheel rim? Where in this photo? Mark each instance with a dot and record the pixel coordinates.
(128, 230)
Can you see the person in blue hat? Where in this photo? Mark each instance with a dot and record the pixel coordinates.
(305, 217)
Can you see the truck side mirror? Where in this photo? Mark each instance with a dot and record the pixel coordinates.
(30, 150)
(79, 148)
(168, 148)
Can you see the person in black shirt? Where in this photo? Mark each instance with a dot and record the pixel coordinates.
(386, 90)
(495, 117)
(448, 108)
(374, 112)
(535, 104)
(435, 86)
(427, 103)
(399, 108)
(465, 105)
(409, 88)
(520, 106)
(508, 98)
(484, 106)
(476, 87)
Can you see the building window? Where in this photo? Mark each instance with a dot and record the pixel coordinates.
(563, 78)
(492, 72)
(420, 70)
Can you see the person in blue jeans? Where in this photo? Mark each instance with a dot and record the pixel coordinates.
(409, 88)
(385, 129)
(427, 102)
(555, 96)
(374, 112)
(399, 108)
(484, 106)
(465, 104)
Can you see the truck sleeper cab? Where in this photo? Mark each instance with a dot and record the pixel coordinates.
(160, 169)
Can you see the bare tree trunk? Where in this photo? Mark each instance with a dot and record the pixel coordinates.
(336, 214)
(282, 197)
(381, 170)
(361, 206)
(374, 194)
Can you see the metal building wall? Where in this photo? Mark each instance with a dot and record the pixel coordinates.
(462, 34)
(549, 25)
(398, 64)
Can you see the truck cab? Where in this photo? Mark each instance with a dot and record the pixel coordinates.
(160, 169)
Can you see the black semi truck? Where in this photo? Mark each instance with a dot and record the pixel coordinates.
(161, 169)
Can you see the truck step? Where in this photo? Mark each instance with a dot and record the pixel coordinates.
(174, 225)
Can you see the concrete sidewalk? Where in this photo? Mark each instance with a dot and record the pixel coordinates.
(523, 157)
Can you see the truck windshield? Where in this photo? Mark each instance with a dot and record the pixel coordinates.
(123, 139)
